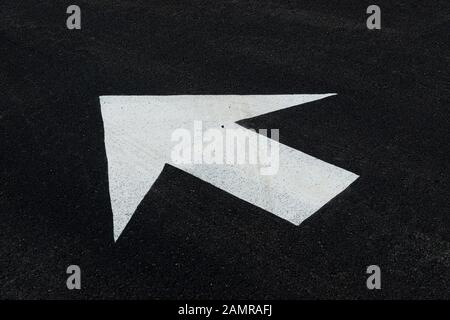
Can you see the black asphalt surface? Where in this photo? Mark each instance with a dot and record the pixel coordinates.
(389, 124)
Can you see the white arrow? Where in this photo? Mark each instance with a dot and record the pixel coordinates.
(138, 144)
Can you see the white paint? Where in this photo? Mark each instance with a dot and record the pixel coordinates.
(231, 145)
(137, 140)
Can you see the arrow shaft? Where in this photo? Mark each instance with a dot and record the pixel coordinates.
(300, 186)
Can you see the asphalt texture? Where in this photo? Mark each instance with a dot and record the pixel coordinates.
(389, 124)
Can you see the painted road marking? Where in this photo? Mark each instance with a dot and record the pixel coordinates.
(138, 145)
